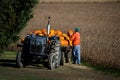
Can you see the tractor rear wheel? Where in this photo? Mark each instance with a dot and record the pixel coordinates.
(19, 60)
(55, 54)
(62, 59)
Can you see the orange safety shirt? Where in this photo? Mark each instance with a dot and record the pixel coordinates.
(75, 39)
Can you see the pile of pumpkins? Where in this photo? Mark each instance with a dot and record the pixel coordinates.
(64, 38)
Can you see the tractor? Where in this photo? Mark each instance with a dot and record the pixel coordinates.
(40, 48)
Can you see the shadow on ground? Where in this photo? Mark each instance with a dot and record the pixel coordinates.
(12, 63)
(7, 63)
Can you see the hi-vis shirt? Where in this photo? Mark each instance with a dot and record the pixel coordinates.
(75, 39)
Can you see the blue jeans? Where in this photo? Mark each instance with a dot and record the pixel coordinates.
(76, 54)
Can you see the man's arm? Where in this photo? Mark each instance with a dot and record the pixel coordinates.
(72, 37)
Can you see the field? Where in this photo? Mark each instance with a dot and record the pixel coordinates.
(99, 23)
(64, 1)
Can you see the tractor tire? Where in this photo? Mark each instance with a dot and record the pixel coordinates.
(52, 61)
(67, 57)
(62, 59)
(19, 60)
(54, 55)
(27, 60)
(68, 54)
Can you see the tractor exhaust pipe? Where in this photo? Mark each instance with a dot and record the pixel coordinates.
(48, 26)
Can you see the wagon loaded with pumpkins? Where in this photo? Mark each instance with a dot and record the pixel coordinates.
(52, 46)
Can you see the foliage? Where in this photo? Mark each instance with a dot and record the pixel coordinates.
(14, 15)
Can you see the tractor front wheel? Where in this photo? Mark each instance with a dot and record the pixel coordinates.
(19, 60)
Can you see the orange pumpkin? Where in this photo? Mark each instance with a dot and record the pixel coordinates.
(61, 38)
(52, 33)
(37, 32)
(66, 36)
(70, 43)
(70, 32)
(22, 40)
(58, 32)
(64, 42)
(49, 35)
(44, 31)
(31, 32)
(41, 34)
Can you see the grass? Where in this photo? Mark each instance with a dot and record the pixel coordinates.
(106, 70)
(8, 55)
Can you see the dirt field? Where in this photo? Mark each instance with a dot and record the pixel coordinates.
(99, 23)
(63, 1)
(8, 71)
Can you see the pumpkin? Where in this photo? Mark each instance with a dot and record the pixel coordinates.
(22, 40)
(41, 34)
(66, 36)
(44, 31)
(49, 35)
(70, 43)
(52, 33)
(58, 32)
(31, 32)
(70, 32)
(61, 38)
(64, 42)
(37, 32)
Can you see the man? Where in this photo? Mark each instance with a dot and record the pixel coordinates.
(76, 46)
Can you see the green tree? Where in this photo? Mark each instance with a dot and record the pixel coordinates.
(14, 15)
